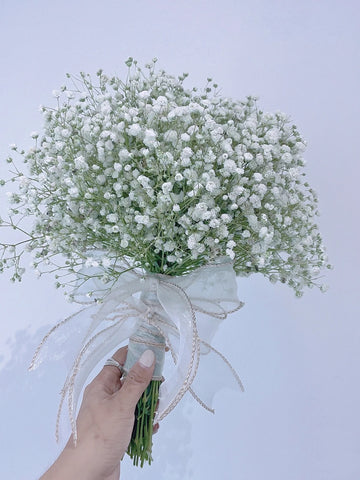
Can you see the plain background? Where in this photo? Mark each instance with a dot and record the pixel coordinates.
(298, 358)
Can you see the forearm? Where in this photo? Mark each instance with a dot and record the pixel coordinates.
(78, 463)
(71, 465)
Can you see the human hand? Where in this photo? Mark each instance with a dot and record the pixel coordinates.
(105, 422)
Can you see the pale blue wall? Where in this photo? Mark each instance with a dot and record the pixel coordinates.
(299, 361)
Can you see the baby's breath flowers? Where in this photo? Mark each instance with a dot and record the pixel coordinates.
(150, 174)
(167, 177)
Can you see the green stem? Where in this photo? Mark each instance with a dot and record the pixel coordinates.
(140, 445)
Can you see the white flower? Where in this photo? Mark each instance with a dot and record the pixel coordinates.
(214, 223)
(276, 192)
(226, 218)
(91, 262)
(230, 253)
(109, 145)
(169, 246)
(65, 132)
(223, 232)
(294, 173)
(192, 129)
(230, 166)
(286, 157)
(167, 187)
(170, 136)
(216, 134)
(81, 163)
(112, 217)
(272, 135)
(105, 107)
(101, 179)
(193, 240)
(160, 104)
(186, 153)
(255, 201)
(134, 130)
(142, 219)
(210, 186)
(150, 137)
(262, 232)
(117, 187)
(261, 262)
(261, 189)
(185, 161)
(143, 180)
(300, 146)
(73, 191)
(253, 222)
(105, 262)
(144, 94)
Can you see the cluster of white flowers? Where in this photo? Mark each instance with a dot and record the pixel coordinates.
(170, 179)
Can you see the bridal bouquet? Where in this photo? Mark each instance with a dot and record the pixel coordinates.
(147, 199)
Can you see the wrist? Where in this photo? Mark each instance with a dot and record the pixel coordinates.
(74, 463)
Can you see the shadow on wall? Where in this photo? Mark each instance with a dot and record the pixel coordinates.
(28, 406)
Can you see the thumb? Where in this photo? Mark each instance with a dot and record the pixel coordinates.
(137, 380)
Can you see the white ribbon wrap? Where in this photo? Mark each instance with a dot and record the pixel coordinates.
(166, 303)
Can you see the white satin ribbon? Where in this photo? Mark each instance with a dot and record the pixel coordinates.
(211, 291)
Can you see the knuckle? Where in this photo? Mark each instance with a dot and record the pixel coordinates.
(92, 387)
(88, 389)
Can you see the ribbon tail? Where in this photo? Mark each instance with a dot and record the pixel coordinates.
(205, 386)
(92, 352)
(179, 308)
(200, 402)
(59, 336)
(227, 363)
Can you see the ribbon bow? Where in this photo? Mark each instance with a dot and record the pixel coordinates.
(168, 304)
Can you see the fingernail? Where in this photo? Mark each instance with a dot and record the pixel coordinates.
(147, 358)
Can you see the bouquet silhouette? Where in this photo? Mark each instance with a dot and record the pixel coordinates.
(147, 199)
